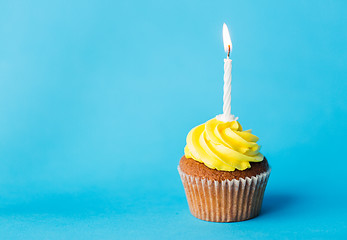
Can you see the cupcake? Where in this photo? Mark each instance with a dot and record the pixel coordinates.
(223, 173)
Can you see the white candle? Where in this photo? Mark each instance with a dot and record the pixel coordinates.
(227, 116)
(227, 88)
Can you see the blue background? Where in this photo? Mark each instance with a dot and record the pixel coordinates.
(97, 97)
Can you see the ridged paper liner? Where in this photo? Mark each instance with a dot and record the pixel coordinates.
(227, 200)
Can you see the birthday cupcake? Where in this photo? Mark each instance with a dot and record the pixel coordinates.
(223, 173)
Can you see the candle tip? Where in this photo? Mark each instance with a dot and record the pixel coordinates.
(226, 39)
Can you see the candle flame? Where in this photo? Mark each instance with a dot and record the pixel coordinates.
(226, 39)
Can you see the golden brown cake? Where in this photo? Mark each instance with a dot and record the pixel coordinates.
(194, 168)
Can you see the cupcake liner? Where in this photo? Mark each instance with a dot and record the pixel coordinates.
(227, 200)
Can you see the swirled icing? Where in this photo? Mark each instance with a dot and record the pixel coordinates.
(223, 145)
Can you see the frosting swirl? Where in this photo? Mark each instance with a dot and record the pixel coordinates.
(223, 145)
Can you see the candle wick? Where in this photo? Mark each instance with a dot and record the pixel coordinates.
(228, 51)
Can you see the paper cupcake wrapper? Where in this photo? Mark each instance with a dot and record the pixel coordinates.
(225, 201)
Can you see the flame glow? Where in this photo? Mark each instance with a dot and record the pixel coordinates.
(226, 38)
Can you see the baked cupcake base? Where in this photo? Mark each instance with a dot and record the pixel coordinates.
(221, 196)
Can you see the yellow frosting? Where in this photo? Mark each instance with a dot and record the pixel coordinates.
(223, 145)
